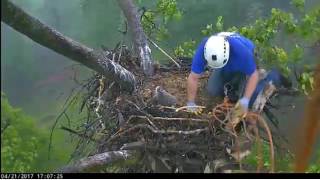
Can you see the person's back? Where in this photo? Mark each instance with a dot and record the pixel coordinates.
(241, 58)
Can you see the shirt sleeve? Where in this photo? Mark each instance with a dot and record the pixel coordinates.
(198, 61)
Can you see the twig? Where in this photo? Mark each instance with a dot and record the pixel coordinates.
(88, 96)
(65, 107)
(259, 150)
(51, 133)
(145, 126)
(83, 135)
(67, 117)
(149, 117)
(178, 65)
(197, 131)
(271, 143)
(245, 130)
(99, 100)
(170, 119)
(185, 107)
(265, 125)
(237, 143)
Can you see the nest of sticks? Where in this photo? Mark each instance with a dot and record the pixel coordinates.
(168, 138)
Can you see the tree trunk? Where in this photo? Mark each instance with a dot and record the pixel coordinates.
(310, 127)
(142, 48)
(96, 162)
(52, 39)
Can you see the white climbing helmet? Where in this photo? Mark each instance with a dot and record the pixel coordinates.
(216, 51)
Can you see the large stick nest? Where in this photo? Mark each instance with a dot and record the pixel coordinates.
(169, 138)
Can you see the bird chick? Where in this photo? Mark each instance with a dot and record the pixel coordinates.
(164, 98)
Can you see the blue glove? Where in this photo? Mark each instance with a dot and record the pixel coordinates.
(244, 102)
(191, 106)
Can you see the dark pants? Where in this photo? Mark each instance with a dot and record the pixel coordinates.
(234, 83)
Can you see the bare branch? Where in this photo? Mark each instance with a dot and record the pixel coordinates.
(139, 38)
(83, 135)
(98, 161)
(54, 40)
(170, 119)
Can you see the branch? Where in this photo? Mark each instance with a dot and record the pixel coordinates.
(170, 119)
(165, 53)
(82, 135)
(153, 130)
(46, 36)
(139, 38)
(98, 161)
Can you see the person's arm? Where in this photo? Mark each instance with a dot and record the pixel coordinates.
(250, 87)
(192, 86)
(243, 48)
(251, 84)
(197, 68)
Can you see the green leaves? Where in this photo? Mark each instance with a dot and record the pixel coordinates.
(309, 24)
(155, 21)
(298, 4)
(208, 30)
(315, 167)
(18, 152)
(266, 32)
(306, 82)
(186, 49)
(24, 146)
(147, 22)
(296, 54)
(162, 33)
(169, 10)
(219, 24)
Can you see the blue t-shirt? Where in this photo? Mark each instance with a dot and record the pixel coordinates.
(241, 56)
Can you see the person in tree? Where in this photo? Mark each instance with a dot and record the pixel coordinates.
(231, 56)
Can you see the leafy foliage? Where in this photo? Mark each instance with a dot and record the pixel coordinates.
(18, 152)
(155, 20)
(186, 49)
(283, 163)
(23, 144)
(299, 4)
(315, 167)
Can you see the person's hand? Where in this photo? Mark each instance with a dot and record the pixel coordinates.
(193, 108)
(238, 113)
(241, 108)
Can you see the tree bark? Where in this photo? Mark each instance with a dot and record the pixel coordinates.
(98, 161)
(52, 39)
(140, 40)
